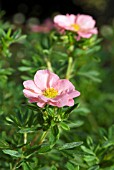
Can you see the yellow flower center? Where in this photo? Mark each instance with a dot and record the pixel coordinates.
(76, 27)
(50, 93)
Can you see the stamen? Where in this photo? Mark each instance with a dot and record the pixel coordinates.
(76, 27)
(50, 93)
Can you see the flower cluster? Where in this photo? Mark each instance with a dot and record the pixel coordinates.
(48, 88)
(83, 25)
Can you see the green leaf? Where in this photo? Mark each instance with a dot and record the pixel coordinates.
(16, 34)
(8, 33)
(27, 130)
(54, 134)
(90, 158)
(44, 148)
(26, 166)
(22, 37)
(69, 166)
(23, 68)
(75, 124)
(3, 144)
(53, 167)
(12, 153)
(55, 130)
(65, 126)
(70, 145)
(95, 167)
(87, 150)
(69, 110)
(111, 133)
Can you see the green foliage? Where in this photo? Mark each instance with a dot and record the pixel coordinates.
(80, 137)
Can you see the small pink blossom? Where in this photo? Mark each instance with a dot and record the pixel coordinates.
(48, 88)
(83, 25)
(45, 27)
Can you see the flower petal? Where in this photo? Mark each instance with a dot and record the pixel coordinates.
(64, 85)
(41, 79)
(52, 80)
(63, 100)
(85, 21)
(33, 100)
(29, 93)
(45, 79)
(73, 93)
(70, 102)
(64, 21)
(41, 104)
(30, 85)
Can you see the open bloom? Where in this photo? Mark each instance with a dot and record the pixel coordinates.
(83, 25)
(48, 88)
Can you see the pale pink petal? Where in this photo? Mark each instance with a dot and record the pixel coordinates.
(70, 102)
(29, 84)
(52, 80)
(41, 79)
(71, 18)
(43, 98)
(64, 21)
(62, 100)
(41, 103)
(94, 31)
(85, 21)
(53, 103)
(33, 100)
(84, 34)
(63, 85)
(61, 20)
(45, 79)
(29, 93)
(73, 93)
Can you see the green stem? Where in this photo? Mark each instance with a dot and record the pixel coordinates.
(16, 163)
(25, 138)
(49, 66)
(69, 68)
(42, 137)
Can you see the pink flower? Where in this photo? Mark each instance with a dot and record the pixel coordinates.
(45, 27)
(83, 25)
(48, 88)
(86, 26)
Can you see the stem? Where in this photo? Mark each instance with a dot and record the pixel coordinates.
(49, 66)
(69, 68)
(14, 168)
(43, 137)
(34, 139)
(25, 138)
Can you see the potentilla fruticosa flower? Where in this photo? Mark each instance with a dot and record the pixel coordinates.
(48, 88)
(83, 25)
